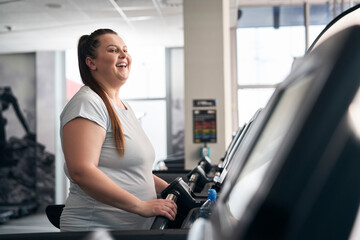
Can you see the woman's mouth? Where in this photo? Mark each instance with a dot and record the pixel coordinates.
(124, 65)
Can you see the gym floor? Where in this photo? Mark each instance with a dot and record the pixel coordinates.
(36, 222)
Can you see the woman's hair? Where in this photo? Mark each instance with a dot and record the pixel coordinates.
(87, 47)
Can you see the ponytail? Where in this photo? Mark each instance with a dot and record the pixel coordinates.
(87, 47)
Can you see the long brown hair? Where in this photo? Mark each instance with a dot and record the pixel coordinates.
(87, 47)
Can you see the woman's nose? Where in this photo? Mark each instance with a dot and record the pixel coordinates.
(122, 55)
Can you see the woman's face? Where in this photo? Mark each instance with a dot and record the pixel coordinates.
(113, 61)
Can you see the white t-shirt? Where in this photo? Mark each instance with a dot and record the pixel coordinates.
(133, 172)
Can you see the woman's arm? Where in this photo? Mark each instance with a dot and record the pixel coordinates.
(160, 184)
(82, 142)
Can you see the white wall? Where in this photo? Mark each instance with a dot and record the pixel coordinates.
(207, 71)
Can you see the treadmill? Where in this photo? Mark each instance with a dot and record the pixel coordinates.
(301, 174)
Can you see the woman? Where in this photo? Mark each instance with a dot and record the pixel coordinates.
(108, 156)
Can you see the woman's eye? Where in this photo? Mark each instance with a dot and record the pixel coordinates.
(113, 50)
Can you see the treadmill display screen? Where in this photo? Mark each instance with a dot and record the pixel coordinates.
(266, 147)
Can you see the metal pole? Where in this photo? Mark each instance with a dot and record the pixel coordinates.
(306, 23)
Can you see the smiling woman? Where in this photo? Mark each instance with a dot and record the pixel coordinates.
(108, 155)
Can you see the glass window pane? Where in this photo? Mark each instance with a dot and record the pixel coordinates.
(152, 117)
(288, 15)
(177, 101)
(314, 32)
(250, 100)
(265, 55)
(72, 67)
(147, 76)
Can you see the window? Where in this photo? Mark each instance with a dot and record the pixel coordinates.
(268, 45)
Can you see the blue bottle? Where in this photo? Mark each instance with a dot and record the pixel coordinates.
(205, 209)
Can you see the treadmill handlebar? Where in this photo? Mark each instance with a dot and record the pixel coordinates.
(192, 181)
(161, 222)
(205, 163)
(197, 178)
(173, 196)
(181, 193)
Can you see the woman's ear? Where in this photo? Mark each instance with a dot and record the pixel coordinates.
(90, 63)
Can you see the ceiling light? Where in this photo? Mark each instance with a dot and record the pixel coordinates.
(53, 5)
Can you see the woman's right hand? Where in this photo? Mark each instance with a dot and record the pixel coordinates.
(158, 207)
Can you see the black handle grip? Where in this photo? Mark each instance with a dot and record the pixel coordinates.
(160, 222)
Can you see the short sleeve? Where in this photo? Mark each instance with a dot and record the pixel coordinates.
(85, 105)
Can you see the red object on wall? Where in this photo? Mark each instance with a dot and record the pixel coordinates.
(71, 88)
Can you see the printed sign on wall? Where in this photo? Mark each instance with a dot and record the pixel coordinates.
(204, 126)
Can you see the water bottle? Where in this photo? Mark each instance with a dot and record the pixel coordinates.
(205, 209)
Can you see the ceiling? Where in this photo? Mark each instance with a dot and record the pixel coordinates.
(33, 25)
(40, 25)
